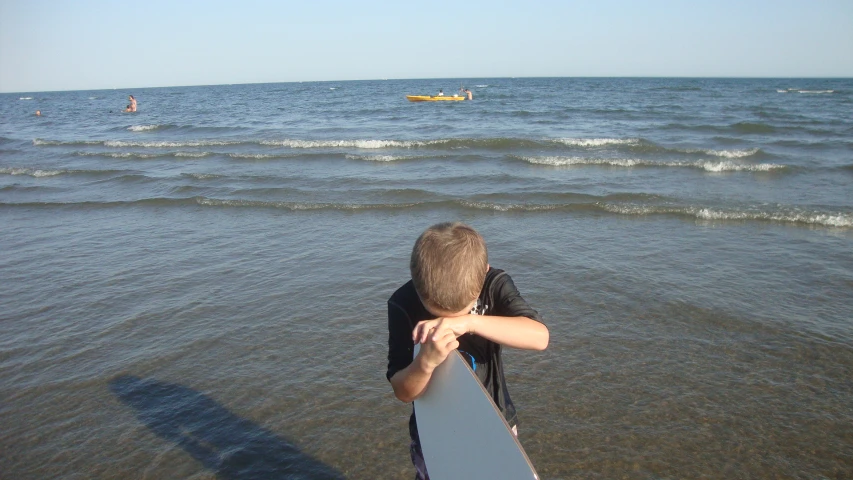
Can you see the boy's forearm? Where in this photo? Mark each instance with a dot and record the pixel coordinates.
(410, 382)
(516, 332)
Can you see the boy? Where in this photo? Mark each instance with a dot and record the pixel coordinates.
(455, 300)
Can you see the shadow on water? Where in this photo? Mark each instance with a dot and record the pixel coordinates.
(233, 447)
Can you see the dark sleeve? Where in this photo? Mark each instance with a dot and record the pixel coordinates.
(400, 344)
(510, 303)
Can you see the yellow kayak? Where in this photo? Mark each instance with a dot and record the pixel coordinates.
(434, 98)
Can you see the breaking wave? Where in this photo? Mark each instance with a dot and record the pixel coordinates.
(143, 128)
(367, 144)
(825, 219)
(597, 142)
(709, 166)
(603, 205)
(32, 172)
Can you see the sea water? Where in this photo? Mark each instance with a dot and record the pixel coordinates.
(198, 289)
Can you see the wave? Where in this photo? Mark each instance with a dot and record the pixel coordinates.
(367, 144)
(25, 98)
(637, 145)
(388, 158)
(728, 153)
(721, 166)
(597, 142)
(609, 204)
(144, 128)
(38, 172)
(203, 176)
(825, 219)
(164, 144)
(40, 142)
(141, 144)
(144, 155)
(32, 172)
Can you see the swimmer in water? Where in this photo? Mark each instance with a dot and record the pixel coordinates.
(132, 106)
(38, 113)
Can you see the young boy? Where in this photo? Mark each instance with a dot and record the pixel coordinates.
(455, 300)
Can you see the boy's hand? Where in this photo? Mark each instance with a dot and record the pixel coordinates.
(437, 347)
(423, 330)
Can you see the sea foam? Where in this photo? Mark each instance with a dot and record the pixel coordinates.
(366, 144)
(597, 142)
(31, 172)
(143, 128)
(722, 166)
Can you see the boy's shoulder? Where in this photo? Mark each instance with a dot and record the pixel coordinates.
(406, 296)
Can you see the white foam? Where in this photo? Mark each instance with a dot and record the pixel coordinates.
(38, 141)
(597, 142)
(366, 144)
(198, 143)
(814, 218)
(724, 166)
(731, 153)
(143, 128)
(31, 172)
(377, 158)
(118, 154)
(840, 220)
(816, 91)
(508, 207)
(481, 86)
(566, 161)
(25, 98)
(736, 167)
(192, 154)
(258, 156)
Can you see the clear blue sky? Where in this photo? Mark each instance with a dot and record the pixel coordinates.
(92, 44)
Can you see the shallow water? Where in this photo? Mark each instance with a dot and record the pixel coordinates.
(198, 290)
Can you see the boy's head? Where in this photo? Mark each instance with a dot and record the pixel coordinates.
(449, 264)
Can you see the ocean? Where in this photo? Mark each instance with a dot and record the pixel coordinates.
(198, 289)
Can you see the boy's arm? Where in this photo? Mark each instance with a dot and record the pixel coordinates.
(515, 332)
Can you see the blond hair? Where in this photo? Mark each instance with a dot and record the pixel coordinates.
(449, 263)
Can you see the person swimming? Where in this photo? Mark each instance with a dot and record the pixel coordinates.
(132, 106)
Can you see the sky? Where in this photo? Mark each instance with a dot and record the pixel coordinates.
(97, 44)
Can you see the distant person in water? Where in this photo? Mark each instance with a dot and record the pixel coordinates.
(441, 93)
(132, 106)
(469, 94)
(127, 109)
(38, 113)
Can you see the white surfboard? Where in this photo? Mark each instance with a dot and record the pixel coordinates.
(462, 432)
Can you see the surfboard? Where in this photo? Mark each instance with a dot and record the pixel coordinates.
(463, 433)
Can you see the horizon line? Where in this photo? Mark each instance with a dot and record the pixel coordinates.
(437, 78)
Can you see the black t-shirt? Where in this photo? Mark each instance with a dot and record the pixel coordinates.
(499, 297)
